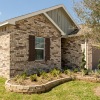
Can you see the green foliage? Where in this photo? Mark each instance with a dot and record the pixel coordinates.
(16, 77)
(68, 72)
(33, 77)
(88, 11)
(83, 63)
(65, 67)
(75, 70)
(39, 72)
(44, 75)
(97, 73)
(24, 75)
(90, 72)
(73, 90)
(98, 64)
(55, 72)
(85, 72)
(20, 78)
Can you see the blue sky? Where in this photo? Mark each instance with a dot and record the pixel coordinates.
(14, 8)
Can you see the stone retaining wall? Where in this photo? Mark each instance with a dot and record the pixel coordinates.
(88, 78)
(35, 88)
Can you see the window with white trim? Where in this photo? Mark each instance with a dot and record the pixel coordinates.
(39, 48)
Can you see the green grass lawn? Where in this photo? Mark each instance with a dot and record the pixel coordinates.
(73, 90)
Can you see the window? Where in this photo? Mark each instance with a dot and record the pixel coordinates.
(39, 48)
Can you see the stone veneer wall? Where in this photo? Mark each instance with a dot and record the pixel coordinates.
(72, 51)
(5, 55)
(37, 26)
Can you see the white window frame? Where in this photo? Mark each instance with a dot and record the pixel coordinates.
(41, 49)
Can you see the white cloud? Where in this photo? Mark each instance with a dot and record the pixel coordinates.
(0, 13)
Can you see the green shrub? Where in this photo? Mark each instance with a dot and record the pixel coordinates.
(39, 72)
(24, 75)
(85, 72)
(20, 78)
(98, 64)
(16, 77)
(83, 63)
(97, 73)
(75, 70)
(33, 77)
(90, 72)
(44, 75)
(55, 72)
(65, 67)
(67, 72)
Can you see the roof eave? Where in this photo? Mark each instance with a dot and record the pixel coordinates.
(12, 21)
(4, 24)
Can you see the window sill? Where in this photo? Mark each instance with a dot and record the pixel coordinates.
(39, 60)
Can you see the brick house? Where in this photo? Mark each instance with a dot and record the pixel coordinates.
(39, 40)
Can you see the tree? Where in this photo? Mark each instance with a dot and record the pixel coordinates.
(89, 13)
(83, 63)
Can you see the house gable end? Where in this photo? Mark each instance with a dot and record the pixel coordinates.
(61, 26)
(63, 20)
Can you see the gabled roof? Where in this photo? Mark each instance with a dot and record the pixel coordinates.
(13, 20)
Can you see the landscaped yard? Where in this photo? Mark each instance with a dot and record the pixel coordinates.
(73, 90)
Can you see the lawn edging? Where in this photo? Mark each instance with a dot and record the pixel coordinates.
(35, 88)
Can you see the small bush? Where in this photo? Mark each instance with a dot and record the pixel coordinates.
(33, 77)
(90, 72)
(68, 72)
(39, 72)
(16, 77)
(55, 72)
(65, 67)
(24, 75)
(75, 70)
(97, 73)
(85, 72)
(98, 66)
(83, 63)
(20, 78)
(44, 75)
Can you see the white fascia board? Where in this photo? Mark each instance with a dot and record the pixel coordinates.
(13, 20)
(4, 24)
(62, 33)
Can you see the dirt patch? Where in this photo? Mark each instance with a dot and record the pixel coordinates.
(97, 91)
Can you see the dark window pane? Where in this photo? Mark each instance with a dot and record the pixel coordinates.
(39, 54)
(39, 42)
